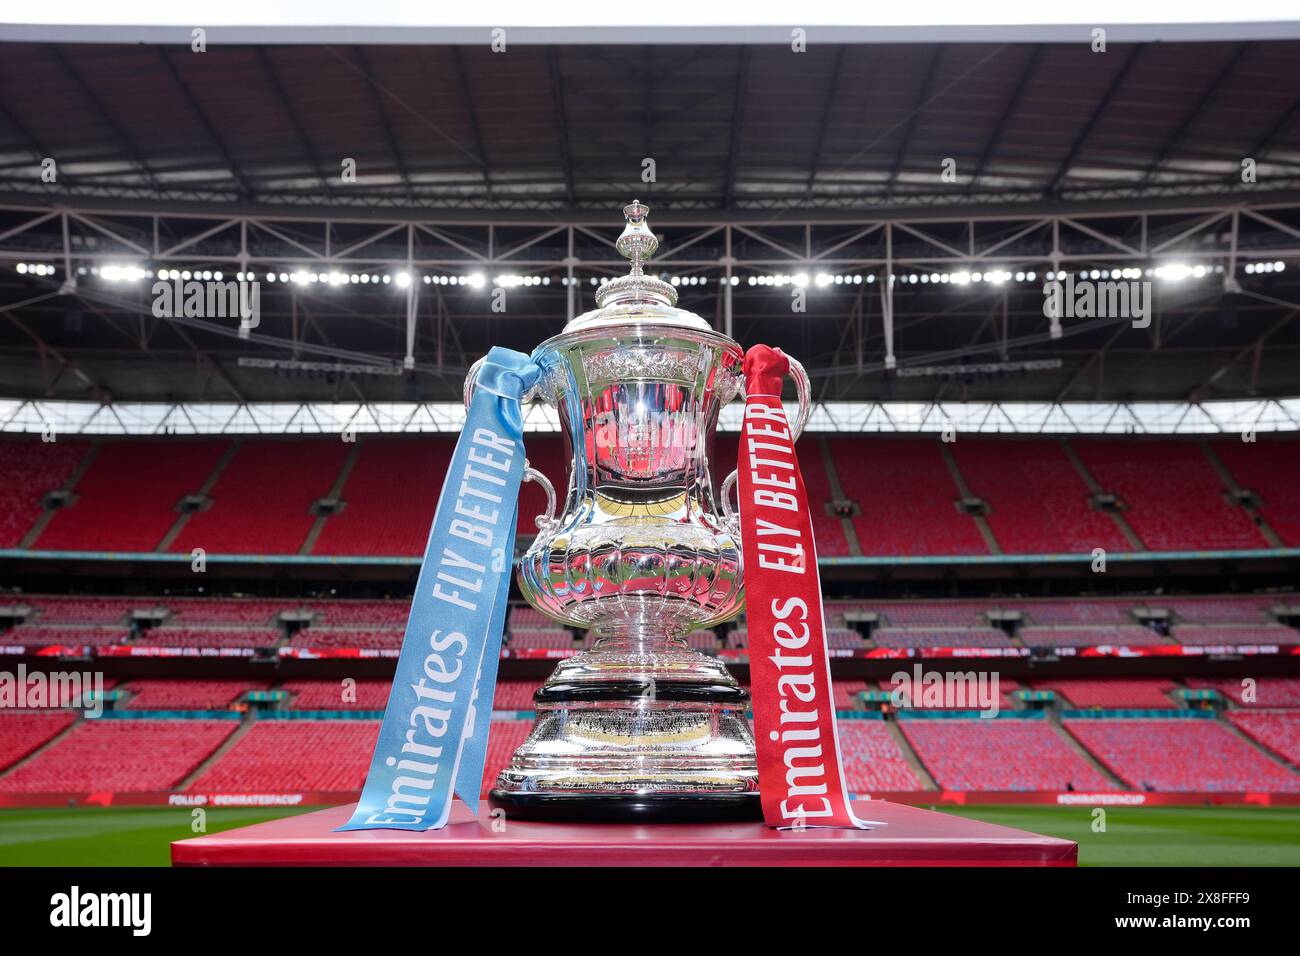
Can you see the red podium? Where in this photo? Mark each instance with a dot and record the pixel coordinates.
(911, 837)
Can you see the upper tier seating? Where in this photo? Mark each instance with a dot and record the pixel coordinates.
(1000, 754)
(278, 756)
(906, 495)
(1081, 693)
(208, 637)
(872, 761)
(940, 637)
(1268, 468)
(225, 611)
(1245, 609)
(1055, 518)
(120, 756)
(126, 500)
(347, 637)
(21, 732)
(1180, 755)
(83, 610)
(188, 694)
(1175, 499)
(261, 502)
(1210, 635)
(391, 494)
(1267, 691)
(36, 635)
(29, 469)
(1129, 635)
(1279, 731)
(380, 615)
(323, 694)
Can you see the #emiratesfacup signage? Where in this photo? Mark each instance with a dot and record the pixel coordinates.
(801, 780)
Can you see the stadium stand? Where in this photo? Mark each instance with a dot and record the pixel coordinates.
(36, 635)
(1220, 609)
(1175, 500)
(261, 501)
(906, 495)
(188, 694)
(1131, 635)
(505, 738)
(515, 694)
(549, 639)
(335, 695)
(1208, 634)
(126, 500)
(223, 611)
(847, 693)
(82, 610)
(372, 614)
(828, 529)
(382, 516)
(1279, 731)
(1055, 519)
(1001, 754)
(208, 637)
(940, 637)
(1091, 611)
(1266, 691)
(121, 756)
(1181, 754)
(278, 756)
(347, 637)
(28, 471)
(1111, 692)
(872, 760)
(21, 732)
(1268, 469)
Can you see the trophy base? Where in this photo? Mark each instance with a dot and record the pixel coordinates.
(628, 807)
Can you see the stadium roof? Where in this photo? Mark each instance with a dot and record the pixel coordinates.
(475, 167)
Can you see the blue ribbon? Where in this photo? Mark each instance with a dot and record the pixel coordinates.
(433, 740)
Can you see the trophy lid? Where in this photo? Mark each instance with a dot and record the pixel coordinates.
(636, 297)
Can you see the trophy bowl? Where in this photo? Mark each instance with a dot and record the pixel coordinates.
(640, 726)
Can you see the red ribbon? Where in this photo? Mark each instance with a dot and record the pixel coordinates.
(801, 780)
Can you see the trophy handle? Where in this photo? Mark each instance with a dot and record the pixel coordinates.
(547, 521)
(803, 389)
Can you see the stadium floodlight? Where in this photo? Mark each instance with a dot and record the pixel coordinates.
(403, 280)
(1173, 272)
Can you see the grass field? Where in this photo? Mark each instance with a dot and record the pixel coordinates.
(1134, 836)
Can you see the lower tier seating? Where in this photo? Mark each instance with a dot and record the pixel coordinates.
(188, 694)
(276, 756)
(872, 760)
(1001, 754)
(1279, 731)
(21, 732)
(120, 756)
(1181, 754)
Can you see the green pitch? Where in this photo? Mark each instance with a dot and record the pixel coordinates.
(1133, 836)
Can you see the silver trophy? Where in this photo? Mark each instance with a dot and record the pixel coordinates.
(643, 552)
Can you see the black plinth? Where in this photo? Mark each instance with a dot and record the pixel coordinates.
(628, 807)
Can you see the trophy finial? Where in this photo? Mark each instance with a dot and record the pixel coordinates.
(637, 241)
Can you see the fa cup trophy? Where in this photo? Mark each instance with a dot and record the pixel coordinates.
(645, 549)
